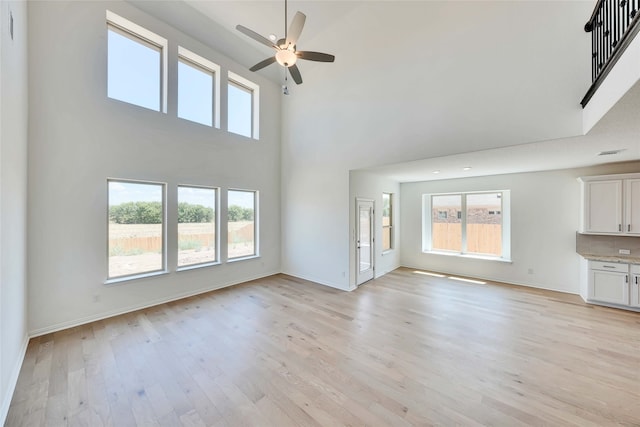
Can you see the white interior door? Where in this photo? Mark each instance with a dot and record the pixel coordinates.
(364, 241)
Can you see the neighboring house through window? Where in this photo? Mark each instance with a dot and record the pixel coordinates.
(468, 223)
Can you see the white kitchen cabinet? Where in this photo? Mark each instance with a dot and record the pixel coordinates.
(632, 206)
(634, 291)
(608, 283)
(611, 204)
(603, 206)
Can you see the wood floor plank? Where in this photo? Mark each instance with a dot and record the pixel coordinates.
(404, 349)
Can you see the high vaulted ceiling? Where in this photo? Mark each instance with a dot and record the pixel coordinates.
(498, 84)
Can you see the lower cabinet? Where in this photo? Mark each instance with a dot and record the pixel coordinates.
(634, 294)
(613, 283)
(609, 283)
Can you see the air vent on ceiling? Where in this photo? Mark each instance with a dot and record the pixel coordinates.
(610, 152)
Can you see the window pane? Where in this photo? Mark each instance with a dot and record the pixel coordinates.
(136, 231)
(239, 110)
(195, 93)
(241, 223)
(133, 70)
(386, 221)
(446, 226)
(484, 223)
(364, 238)
(196, 225)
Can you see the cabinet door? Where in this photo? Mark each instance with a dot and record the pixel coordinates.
(609, 286)
(632, 206)
(635, 291)
(603, 206)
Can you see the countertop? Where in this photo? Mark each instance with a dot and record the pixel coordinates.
(607, 258)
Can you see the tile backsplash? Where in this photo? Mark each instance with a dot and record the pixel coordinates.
(588, 244)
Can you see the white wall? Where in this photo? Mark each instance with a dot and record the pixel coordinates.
(79, 138)
(545, 215)
(493, 79)
(369, 186)
(13, 197)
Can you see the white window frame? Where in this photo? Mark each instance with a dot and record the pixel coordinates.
(216, 222)
(200, 62)
(236, 79)
(163, 269)
(136, 31)
(391, 221)
(256, 225)
(427, 217)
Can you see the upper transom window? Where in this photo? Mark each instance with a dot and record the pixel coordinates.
(243, 99)
(137, 64)
(198, 89)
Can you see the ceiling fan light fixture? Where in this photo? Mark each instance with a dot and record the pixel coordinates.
(286, 57)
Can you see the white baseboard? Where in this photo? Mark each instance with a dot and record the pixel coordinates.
(489, 279)
(135, 307)
(13, 381)
(320, 282)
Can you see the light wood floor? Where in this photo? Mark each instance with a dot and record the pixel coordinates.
(406, 349)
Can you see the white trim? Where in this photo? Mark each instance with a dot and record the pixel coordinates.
(135, 307)
(151, 37)
(505, 201)
(494, 281)
(255, 101)
(321, 282)
(216, 225)
(214, 68)
(372, 233)
(197, 266)
(256, 226)
(614, 177)
(469, 255)
(145, 275)
(165, 245)
(242, 258)
(13, 381)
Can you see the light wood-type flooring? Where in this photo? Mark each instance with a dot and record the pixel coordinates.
(405, 349)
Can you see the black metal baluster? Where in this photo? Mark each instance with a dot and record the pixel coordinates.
(616, 24)
(613, 24)
(608, 34)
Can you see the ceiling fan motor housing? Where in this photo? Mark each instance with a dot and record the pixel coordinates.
(286, 57)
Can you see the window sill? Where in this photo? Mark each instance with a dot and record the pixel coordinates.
(197, 266)
(135, 277)
(469, 256)
(387, 252)
(244, 258)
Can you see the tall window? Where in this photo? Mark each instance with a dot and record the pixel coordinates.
(242, 108)
(468, 223)
(197, 225)
(136, 228)
(198, 89)
(242, 223)
(387, 221)
(137, 64)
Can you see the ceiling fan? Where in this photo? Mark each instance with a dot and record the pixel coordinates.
(286, 52)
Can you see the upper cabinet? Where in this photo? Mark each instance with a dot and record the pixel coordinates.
(611, 204)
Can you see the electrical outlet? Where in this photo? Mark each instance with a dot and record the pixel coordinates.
(624, 252)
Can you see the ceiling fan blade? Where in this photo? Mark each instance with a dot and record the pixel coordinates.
(295, 74)
(257, 37)
(260, 65)
(295, 29)
(315, 56)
